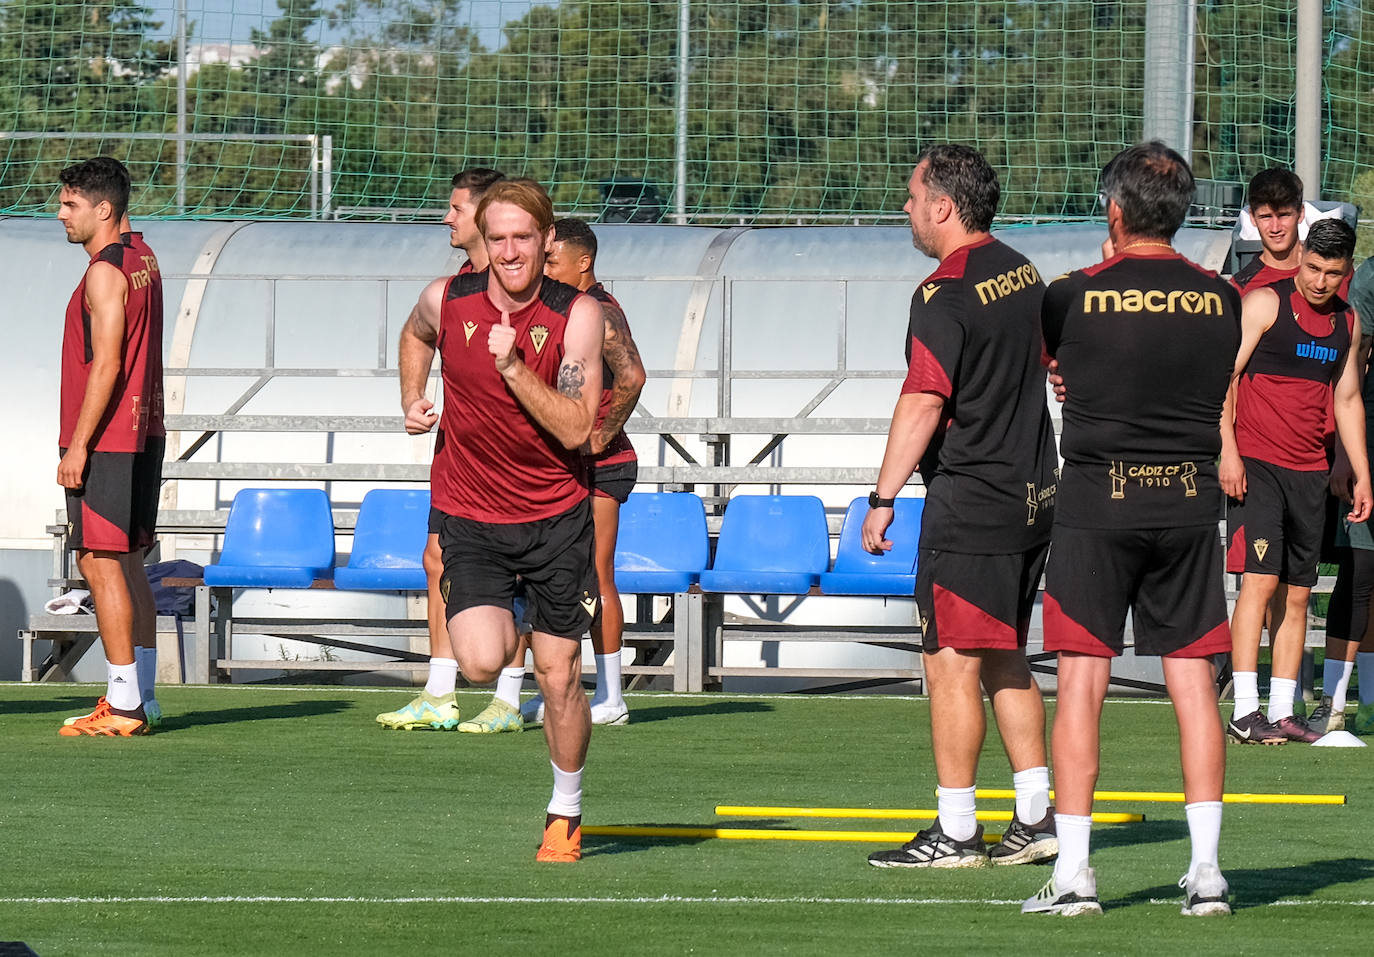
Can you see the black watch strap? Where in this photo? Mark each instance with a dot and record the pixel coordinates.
(877, 501)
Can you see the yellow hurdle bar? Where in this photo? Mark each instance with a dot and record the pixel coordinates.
(1175, 797)
(892, 814)
(758, 834)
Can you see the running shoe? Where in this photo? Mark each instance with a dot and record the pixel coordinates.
(1324, 718)
(607, 712)
(1205, 892)
(1027, 843)
(1364, 718)
(1296, 729)
(106, 722)
(424, 713)
(532, 711)
(494, 719)
(1254, 728)
(562, 840)
(933, 848)
(1075, 899)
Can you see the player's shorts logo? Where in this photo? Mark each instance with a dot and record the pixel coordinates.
(443, 587)
(1261, 548)
(539, 335)
(588, 603)
(469, 328)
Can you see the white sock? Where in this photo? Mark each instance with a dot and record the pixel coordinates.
(1204, 828)
(1074, 832)
(1281, 692)
(1364, 661)
(567, 792)
(958, 817)
(1336, 682)
(508, 685)
(121, 688)
(1246, 685)
(443, 677)
(1032, 794)
(607, 679)
(145, 663)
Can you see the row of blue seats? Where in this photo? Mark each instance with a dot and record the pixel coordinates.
(768, 544)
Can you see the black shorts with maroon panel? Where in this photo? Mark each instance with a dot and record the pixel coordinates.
(1277, 528)
(614, 480)
(115, 509)
(977, 602)
(1163, 576)
(554, 559)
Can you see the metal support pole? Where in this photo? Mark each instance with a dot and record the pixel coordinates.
(1170, 30)
(327, 179)
(1307, 95)
(684, 40)
(181, 105)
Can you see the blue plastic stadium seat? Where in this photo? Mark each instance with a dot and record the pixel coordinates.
(893, 573)
(770, 545)
(276, 538)
(388, 543)
(661, 547)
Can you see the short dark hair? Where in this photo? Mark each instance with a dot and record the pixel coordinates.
(1331, 239)
(477, 180)
(1153, 186)
(100, 179)
(1276, 187)
(963, 174)
(575, 232)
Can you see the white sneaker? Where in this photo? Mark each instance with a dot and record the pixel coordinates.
(1077, 897)
(608, 712)
(533, 710)
(1205, 892)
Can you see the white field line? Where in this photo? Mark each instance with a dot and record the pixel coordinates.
(637, 695)
(667, 899)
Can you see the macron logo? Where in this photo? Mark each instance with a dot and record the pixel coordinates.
(1310, 350)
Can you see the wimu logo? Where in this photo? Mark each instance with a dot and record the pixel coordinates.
(1310, 350)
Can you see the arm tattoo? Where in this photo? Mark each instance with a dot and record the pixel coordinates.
(571, 379)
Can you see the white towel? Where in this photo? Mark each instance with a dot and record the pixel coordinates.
(72, 603)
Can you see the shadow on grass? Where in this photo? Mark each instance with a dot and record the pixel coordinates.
(669, 712)
(75, 704)
(1141, 832)
(595, 844)
(1257, 887)
(268, 712)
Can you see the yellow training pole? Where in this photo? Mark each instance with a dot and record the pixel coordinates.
(759, 834)
(892, 814)
(1176, 797)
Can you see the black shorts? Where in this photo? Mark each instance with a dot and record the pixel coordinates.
(1277, 530)
(1168, 578)
(436, 520)
(977, 601)
(115, 510)
(553, 557)
(614, 481)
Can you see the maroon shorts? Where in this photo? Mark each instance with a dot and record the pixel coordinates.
(1170, 580)
(115, 510)
(977, 601)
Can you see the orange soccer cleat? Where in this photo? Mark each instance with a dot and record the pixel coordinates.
(562, 840)
(106, 722)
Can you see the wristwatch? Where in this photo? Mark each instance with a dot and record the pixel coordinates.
(877, 501)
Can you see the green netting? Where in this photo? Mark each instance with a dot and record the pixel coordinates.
(804, 111)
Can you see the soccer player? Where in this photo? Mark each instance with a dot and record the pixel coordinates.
(1299, 356)
(612, 463)
(1145, 341)
(1275, 200)
(112, 439)
(1348, 636)
(520, 357)
(436, 706)
(972, 415)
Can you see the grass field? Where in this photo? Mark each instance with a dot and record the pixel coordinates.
(270, 820)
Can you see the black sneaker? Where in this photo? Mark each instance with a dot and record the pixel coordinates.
(1027, 843)
(1254, 728)
(933, 848)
